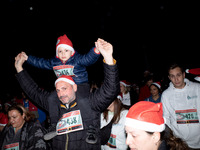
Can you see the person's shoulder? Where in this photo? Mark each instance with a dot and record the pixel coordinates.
(33, 124)
(195, 84)
(166, 91)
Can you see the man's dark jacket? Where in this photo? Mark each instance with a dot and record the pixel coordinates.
(90, 108)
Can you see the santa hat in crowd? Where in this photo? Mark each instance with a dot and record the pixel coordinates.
(195, 71)
(65, 42)
(157, 84)
(8, 104)
(125, 83)
(65, 78)
(147, 116)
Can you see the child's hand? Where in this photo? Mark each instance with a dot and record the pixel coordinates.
(106, 49)
(24, 55)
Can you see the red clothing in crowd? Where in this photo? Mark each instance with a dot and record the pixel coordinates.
(3, 119)
(144, 93)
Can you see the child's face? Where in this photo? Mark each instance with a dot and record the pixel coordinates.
(64, 54)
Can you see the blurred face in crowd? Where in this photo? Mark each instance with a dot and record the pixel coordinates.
(154, 90)
(149, 82)
(64, 54)
(122, 88)
(177, 77)
(16, 119)
(141, 140)
(66, 92)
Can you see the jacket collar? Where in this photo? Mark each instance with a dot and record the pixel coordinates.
(68, 106)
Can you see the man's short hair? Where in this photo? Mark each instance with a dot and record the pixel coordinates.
(175, 65)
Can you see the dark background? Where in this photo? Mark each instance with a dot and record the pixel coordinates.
(145, 35)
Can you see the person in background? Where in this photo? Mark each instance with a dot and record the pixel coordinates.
(115, 114)
(155, 90)
(7, 105)
(22, 133)
(146, 129)
(125, 93)
(3, 118)
(144, 90)
(28, 105)
(181, 106)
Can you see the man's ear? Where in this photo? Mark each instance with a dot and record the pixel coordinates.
(169, 77)
(184, 74)
(75, 87)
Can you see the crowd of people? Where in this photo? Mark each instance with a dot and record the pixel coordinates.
(115, 114)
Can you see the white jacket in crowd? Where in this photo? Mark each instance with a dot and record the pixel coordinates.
(118, 135)
(181, 109)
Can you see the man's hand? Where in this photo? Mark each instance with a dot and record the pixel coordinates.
(24, 55)
(106, 50)
(19, 60)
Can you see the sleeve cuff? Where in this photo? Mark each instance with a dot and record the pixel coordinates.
(114, 61)
(96, 52)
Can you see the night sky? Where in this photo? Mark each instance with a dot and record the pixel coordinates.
(144, 34)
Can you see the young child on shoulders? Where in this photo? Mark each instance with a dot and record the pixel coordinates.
(67, 61)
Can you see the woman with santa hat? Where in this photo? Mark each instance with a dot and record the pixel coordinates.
(146, 129)
(124, 95)
(155, 90)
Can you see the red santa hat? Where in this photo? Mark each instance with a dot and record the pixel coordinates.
(157, 84)
(125, 83)
(65, 78)
(195, 71)
(146, 116)
(65, 42)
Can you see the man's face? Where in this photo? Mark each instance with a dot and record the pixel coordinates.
(177, 77)
(66, 92)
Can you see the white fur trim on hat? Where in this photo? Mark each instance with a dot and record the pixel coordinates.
(124, 83)
(65, 80)
(156, 85)
(146, 126)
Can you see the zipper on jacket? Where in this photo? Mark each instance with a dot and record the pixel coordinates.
(66, 145)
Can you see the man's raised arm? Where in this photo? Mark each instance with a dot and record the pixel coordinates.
(36, 94)
(105, 95)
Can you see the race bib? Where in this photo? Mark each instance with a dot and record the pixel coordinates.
(14, 146)
(70, 122)
(112, 141)
(64, 70)
(187, 116)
